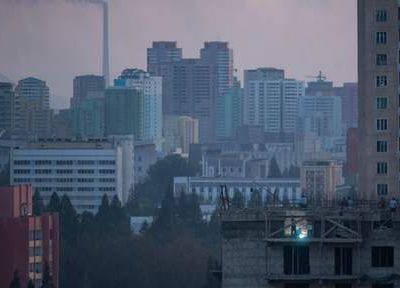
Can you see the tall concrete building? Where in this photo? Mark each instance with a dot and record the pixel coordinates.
(88, 118)
(32, 113)
(220, 57)
(151, 88)
(159, 58)
(124, 112)
(194, 94)
(7, 98)
(86, 86)
(179, 133)
(378, 74)
(349, 95)
(34, 90)
(271, 101)
(321, 115)
(230, 114)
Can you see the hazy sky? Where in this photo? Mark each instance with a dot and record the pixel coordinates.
(55, 39)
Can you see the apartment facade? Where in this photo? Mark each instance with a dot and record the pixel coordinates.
(151, 88)
(28, 242)
(378, 74)
(84, 171)
(271, 100)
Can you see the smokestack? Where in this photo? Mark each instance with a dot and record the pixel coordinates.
(106, 59)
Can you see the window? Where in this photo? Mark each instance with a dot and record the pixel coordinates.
(381, 81)
(381, 103)
(381, 59)
(381, 168)
(381, 146)
(296, 260)
(381, 15)
(381, 37)
(382, 256)
(382, 189)
(381, 124)
(343, 261)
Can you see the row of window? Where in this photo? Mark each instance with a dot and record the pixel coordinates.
(80, 189)
(63, 180)
(64, 162)
(296, 259)
(64, 171)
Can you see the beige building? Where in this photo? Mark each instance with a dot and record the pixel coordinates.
(319, 179)
(378, 50)
(179, 133)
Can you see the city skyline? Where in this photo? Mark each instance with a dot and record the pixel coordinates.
(26, 45)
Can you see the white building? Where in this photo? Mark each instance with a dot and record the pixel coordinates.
(208, 189)
(84, 171)
(271, 100)
(151, 86)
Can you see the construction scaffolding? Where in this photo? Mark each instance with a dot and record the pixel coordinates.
(313, 246)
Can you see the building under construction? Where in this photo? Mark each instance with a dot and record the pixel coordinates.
(338, 247)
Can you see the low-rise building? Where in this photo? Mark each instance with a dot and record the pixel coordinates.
(27, 243)
(209, 188)
(84, 171)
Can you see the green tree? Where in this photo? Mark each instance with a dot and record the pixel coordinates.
(54, 204)
(238, 200)
(274, 171)
(69, 218)
(37, 204)
(294, 172)
(15, 282)
(5, 175)
(47, 280)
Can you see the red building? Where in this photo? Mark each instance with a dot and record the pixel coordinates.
(27, 242)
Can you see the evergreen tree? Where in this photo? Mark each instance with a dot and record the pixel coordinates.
(54, 203)
(37, 204)
(238, 200)
(182, 208)
(104, 210)
(166, 220)
(15, 282)
(274, 171)
(294, 172)
(68, 217)
(47, 280)
(30, 284)
(195, 215)
(255, 199)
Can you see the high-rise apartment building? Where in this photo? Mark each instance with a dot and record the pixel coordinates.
(159, 58)
(378, 75)
(271, 101)
(32, 113)
(321, 115)
(194, 94)
(179, 133)
(220, 57)
(34, 90)
(124, 112)
(230, 114)
(88, 118)
(151, 88)
(86, 86)
(7, 100)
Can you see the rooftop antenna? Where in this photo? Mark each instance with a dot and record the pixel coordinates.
(320, 77)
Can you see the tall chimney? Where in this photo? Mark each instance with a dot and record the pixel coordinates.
(106, 63)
